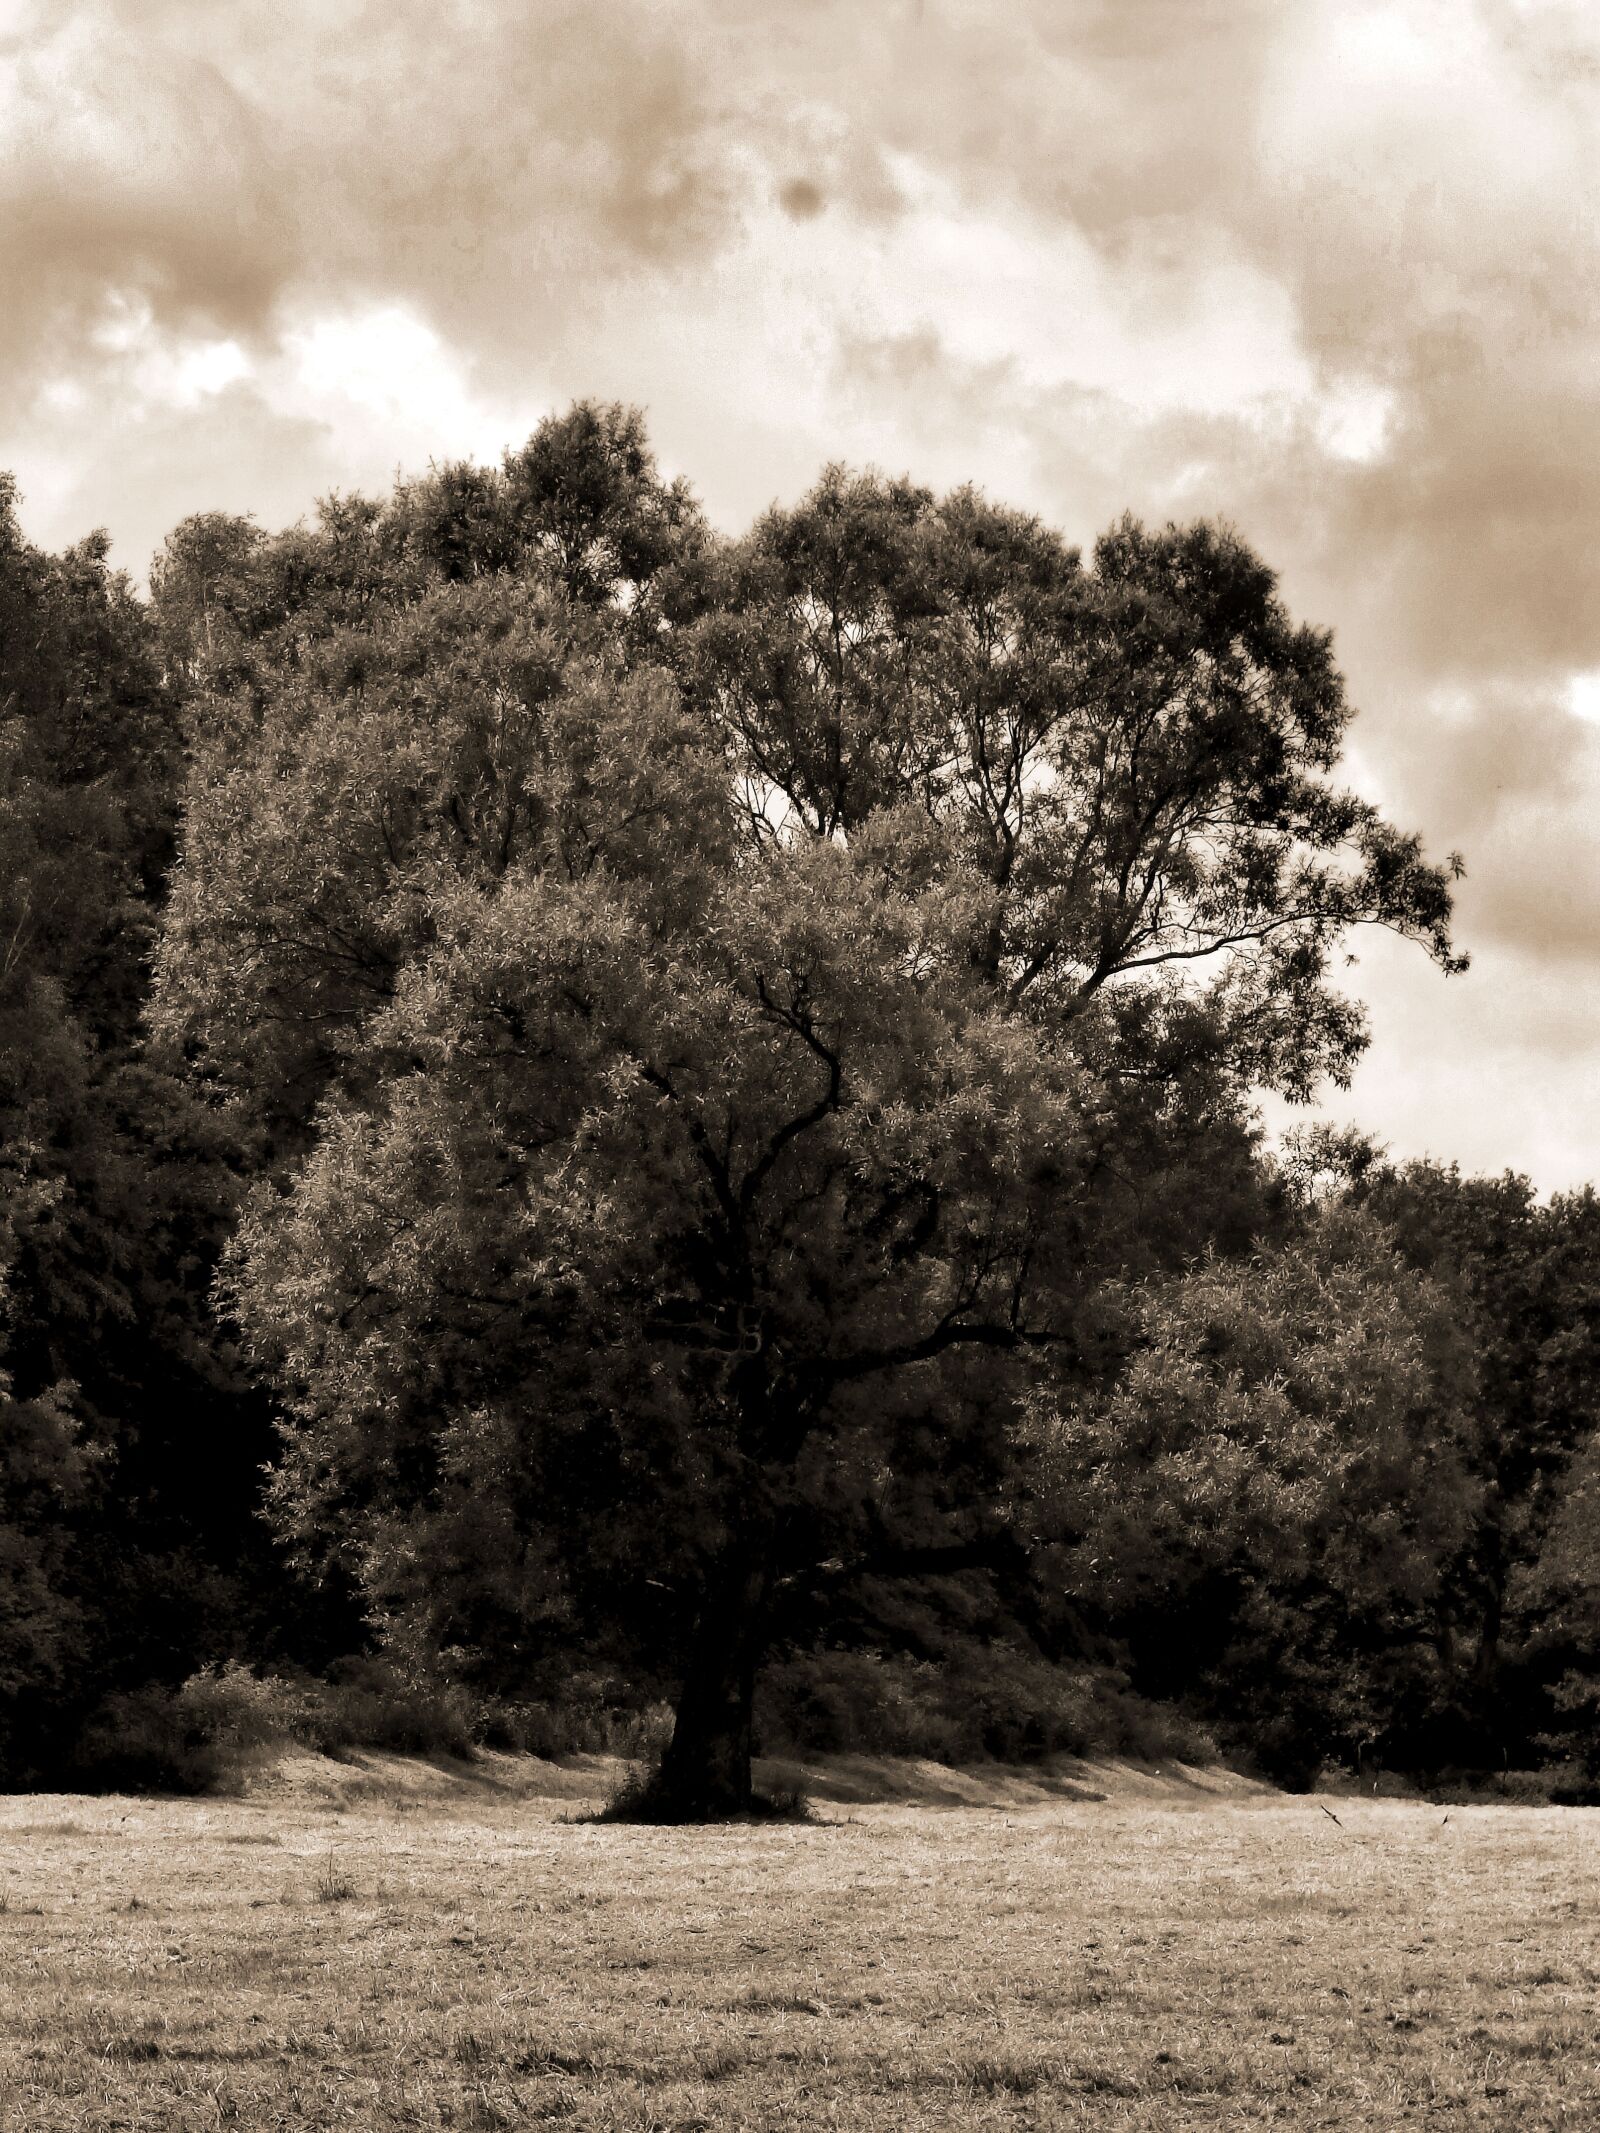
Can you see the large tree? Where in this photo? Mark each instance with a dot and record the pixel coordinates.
(716, 1015)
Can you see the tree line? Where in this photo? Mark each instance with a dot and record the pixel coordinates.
(579, 1097)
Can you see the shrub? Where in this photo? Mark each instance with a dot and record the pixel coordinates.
(1556, 1785)
(232, 1709)
(140, 1740)
(371, 1703)
(194, 1738)
(984, 1699)
(594, 1714)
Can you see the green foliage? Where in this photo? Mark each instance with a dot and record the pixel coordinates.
(141, 1740)
(42, 1623)
(588, 1715)
(1133, 757)
(84, 819)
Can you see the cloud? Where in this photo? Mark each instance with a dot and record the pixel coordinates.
(1494, 1071)
(217, 164)
(1330, 270)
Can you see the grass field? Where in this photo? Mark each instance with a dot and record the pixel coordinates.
(389, 1946)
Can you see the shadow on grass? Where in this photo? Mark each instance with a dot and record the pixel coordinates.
(642, 1799)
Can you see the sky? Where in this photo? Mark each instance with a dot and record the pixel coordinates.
(1326, 270)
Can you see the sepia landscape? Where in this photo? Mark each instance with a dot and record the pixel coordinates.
(799, 1292)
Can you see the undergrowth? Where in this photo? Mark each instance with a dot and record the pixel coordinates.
(992, 1701)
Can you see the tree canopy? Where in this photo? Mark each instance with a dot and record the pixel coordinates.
(714, 1017)
(121, 1428)
(1271, 1496)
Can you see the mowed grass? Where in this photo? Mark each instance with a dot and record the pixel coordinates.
(456, 1954)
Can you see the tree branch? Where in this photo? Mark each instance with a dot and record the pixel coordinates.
(813, 1115)
(948, 1334)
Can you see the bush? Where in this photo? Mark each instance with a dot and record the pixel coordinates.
(232, 1709)
(1556, 1785)
(844, 1702)
(984, 1700)
(140, 1740)
(371, 1703)
(195, 1738)
(591, 1718)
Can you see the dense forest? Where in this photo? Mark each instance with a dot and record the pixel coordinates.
(596, 1119)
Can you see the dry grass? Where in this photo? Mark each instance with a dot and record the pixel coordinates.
(1172, 1956)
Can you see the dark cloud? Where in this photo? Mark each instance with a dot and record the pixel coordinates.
(801, 198)
(1481, 515)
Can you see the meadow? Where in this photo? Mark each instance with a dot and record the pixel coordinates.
(384, 1944)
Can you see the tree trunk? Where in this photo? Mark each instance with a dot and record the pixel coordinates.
(706, 1772)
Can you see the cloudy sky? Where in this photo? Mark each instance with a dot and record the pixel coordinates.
(1328, 270)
